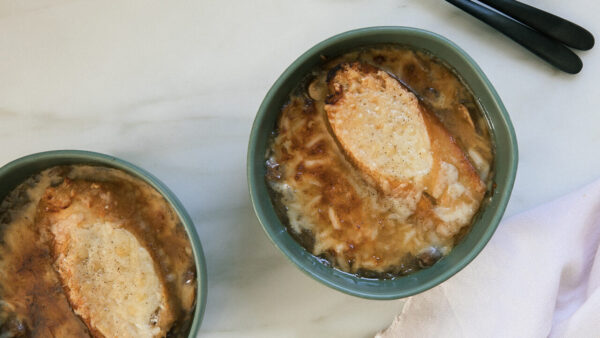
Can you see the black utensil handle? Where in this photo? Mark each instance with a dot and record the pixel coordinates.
(549, 50)
(555, 27)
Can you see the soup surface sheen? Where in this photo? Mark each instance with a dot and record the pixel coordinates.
(34, 293)
(333, 209)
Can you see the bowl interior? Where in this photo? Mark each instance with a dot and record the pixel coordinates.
(12, 174)
(504, 166)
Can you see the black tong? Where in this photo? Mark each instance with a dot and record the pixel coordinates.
(542, 33)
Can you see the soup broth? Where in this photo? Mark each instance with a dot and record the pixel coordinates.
(331, 208)
(33, 295)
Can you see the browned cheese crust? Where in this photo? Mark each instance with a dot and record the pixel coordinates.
(376, 120)
(380, 161)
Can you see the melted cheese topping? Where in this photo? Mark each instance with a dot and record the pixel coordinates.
(339, 213)
(102, 259)
(396, 141)
(101, 252)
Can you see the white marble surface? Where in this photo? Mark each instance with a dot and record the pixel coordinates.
(173, 86)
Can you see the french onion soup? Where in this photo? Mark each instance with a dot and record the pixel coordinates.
(92, 251)
(380, 161)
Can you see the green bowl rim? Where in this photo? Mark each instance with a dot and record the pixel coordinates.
(504, 191)
(186, 220)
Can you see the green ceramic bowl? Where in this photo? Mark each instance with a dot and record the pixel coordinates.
(505, 164)
(13, 173)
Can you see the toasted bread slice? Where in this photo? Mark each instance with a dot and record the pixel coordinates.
(386, 132)
(379, 125)
(109, 277)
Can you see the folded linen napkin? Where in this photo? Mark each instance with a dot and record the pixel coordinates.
(538, 276)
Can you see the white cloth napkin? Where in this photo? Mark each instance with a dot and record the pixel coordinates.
(538, 276)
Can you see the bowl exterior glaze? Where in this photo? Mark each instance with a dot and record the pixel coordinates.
(504, 166)
(15, 172)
